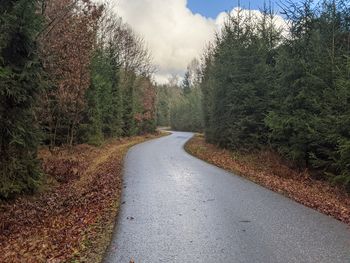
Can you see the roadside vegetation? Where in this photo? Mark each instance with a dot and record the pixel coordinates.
(76, 92)
(72, 216)
(179, 105)
(269, 169)
(284, 89)
(78, 74)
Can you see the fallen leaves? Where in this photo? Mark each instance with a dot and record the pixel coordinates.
(271, 171)
(74, 218)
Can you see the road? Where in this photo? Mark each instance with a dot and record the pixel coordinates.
(177, 208)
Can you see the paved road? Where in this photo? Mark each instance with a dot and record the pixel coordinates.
(180, 209)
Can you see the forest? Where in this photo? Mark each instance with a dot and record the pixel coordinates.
(262, 86)
(79, 74)
(71, 72)
(265, 101)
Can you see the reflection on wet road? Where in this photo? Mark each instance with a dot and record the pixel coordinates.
(177, 208)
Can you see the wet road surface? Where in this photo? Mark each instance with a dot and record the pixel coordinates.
(177, 208)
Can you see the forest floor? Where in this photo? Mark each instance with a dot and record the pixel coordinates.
(271, 171)
(72, 217)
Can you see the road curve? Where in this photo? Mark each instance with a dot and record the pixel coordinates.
(177, 208)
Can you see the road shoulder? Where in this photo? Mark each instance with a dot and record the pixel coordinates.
(271, 172)
(72, 218)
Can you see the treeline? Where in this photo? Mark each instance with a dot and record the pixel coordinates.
(167, 96)
(70, 72)
(179, 105)
(289, 90)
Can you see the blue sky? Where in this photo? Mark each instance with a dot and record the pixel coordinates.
(211, 8)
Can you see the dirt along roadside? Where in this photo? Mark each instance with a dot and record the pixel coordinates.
(269, 170)
(72, 217)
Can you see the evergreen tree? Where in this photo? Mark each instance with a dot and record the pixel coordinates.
(207, 87)
(293, 91)
(331, 147)
(186, 85)
(186, 113)
(242, 73)
(129, 110)
(167, 96)
(20, 85)
(115, 109)
(91, 130)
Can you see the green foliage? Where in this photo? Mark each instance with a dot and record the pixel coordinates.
(184, 108)
(167, 96)
(20, 85)
(308, 123)
(237, 80)
(186, 85)
(186, 112)
(129, 101)
(292, 94)
(104, 109)
(101, 92)
(114, 100)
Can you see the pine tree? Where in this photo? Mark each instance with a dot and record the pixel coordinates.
(129, 110)
(116, 104)
(186, 113)
(293, 122)
(293, 91)
(207, 87)
(332, 148)
(90, 129)
(186, 85)
(242, 76)
(20, 84)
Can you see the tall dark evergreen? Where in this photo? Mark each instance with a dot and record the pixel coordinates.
(293, 121)
(91, 130)
(186, 85)
(20, 85)
(291, 94)
(129, 125)
(236, 92)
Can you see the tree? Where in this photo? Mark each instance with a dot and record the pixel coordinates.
(237, 78)
(20, 85)
(186, 112)
(146, 106)
(290, 94)
(67, 50)
(186, 85)
(120, 80)
(167, 97)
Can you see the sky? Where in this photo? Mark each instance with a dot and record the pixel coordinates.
(176, 31)
(211, 8)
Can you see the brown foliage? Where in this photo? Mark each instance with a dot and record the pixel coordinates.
(123, 44)
(271, 171)
(75, 217)
(67, 45)
(147, 96)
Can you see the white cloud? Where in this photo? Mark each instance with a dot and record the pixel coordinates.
(173, 33)
(255, 15)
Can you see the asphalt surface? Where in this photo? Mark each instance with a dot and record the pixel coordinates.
(177, 208)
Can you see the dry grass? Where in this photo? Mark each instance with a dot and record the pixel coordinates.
(268, 169)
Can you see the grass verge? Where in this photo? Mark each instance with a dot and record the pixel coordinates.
(72, 218)
(271, 171)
